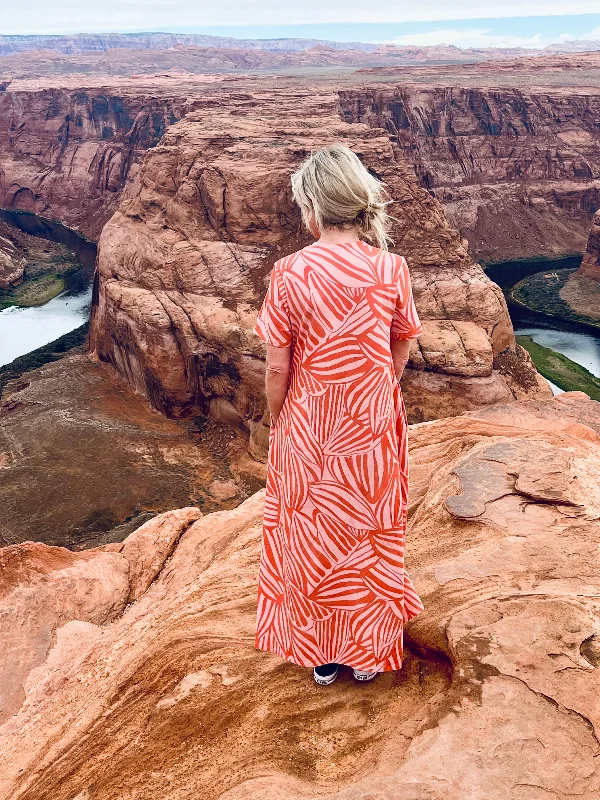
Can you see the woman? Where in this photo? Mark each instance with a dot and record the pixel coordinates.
(337, 319)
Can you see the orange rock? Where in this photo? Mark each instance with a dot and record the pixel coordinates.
(516, 166)
(183, 265)
(166, 697)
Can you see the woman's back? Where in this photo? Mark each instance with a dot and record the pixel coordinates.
(332, 584)
(341, 304)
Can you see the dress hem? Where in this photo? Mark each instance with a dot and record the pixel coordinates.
(290, 659)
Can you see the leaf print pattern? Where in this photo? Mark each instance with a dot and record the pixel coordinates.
(332, 583)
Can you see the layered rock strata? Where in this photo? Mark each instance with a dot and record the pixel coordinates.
(517, 169)
(129, 671)
(590, 266)
(12, 259)
(67, 154)
(581, 290)
(183, 266)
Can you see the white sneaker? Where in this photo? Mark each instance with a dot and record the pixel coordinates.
(363, 675)
(326, 674)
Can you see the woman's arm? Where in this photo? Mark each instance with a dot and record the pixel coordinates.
(400, 348)
(279, 360)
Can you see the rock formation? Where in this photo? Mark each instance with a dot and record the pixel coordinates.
(517, 167)
(146, 684)
(68, 154)
(83, 460)
(590, 266)
(581, 290)
(12, 259)
(23, 256)
(183, 265)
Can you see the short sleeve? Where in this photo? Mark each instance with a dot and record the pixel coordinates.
(273, 321)
(405, 321)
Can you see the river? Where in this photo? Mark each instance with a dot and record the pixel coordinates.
(25, 329)
(580, 343)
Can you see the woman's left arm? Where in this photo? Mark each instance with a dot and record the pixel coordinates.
(279, 361)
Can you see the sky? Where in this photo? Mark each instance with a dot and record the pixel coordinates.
(464, 23)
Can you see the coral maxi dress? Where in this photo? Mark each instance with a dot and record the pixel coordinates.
(332, 584)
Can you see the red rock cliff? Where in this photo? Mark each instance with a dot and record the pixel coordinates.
(590, 266)
(183, 266)
(518, 170)
(68, 153)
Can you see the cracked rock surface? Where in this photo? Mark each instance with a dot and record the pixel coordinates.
(152, 688)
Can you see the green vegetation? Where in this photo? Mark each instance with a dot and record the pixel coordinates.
(34, 292)
(43, 355)
(566, 374)
(541, 292)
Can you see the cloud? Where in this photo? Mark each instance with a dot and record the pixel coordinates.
(38, 16)
(468, 37)
(593, 35)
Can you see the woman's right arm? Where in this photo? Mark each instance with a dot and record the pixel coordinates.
(400, 349)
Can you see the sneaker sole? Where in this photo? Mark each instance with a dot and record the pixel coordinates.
(325, 681)
(365, 678)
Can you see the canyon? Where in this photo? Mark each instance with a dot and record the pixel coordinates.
(182, 266)
(67, 154)
(513, 155)
(186, 177)
(129, 670)
(517, 139)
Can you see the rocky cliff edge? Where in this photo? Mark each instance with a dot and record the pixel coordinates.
(129, 670)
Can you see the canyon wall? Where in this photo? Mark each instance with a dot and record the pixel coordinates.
(183, 266)
(12, 258)
(590, 266)
(517, 169)
(67, 153)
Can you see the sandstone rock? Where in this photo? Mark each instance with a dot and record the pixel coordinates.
(581, 292)
(43, 588)
(12, 261)
(76, 149)
(516, 166)
(590, 266)
(497, 697)
(183, 264)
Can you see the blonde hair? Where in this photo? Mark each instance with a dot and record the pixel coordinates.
(334, 184)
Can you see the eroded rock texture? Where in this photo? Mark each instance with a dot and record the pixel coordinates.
(184, 262)
(68, 153)
(84, 460)
(146, 684)
(12, 259)
(590, 266)
(517, 168)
